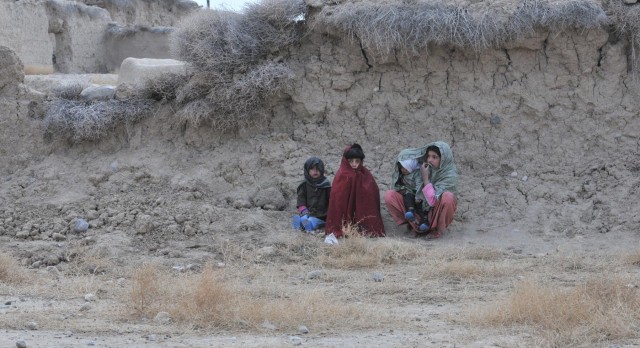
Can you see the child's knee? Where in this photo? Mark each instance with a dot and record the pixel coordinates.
(447, 198)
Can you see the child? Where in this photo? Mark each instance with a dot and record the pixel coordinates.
(313, 197)
(355, 198)
(407, 181)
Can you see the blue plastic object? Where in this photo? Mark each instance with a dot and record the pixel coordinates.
(423, 227)
(297, 223)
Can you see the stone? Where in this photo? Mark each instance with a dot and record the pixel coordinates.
(21, 344)
(270, 198)
(90, 297)
(314, 274)
(32, 325)
(79, 226)
(295, 340)
(96, 92)
(58, 237)
(162, 318)
(303, 329)
(377, 276)
(11, 69)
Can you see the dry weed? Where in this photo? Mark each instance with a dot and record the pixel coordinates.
(10, 270)
(599, 310)
(209, 300)
(632, 258)
(145, 295)
(412, 27)
(358, 251)
(80, 120)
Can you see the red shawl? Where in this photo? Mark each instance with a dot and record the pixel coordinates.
(355, 199)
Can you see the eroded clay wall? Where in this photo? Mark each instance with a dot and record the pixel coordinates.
(24, 28)
(146, 12)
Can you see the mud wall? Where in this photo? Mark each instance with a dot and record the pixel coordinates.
(24, 27)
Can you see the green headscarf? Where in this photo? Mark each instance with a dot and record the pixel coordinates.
(444, 178)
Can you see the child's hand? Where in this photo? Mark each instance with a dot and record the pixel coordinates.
(304, 212)
(424, 171)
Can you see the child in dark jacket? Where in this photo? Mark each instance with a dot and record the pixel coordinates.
(313, 197)
(407, 181)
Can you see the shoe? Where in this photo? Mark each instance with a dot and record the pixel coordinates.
(311, 223)
(423, 227)
(331, 239)
(409, 215)
(297, 223)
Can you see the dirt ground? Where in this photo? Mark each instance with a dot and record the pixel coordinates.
(428, 297)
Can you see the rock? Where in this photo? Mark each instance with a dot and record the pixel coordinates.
(21, 344)
(52, 260)
(136, 72)
(79, 226)
(525, 178)
(85, 307)
(303, 329)
(90, 297)
(162, 318)
(514, 174)
(96, 92)
(58, 237)
(295, 340)
(11, 69)
(314, 274)
(270, 199)
(23, 234)
(495, 120)
(36, 264)
(32, 325)
(630, 2)
(377, 277)
(143, 224)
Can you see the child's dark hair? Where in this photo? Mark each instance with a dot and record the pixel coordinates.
(434, 149)
(355, 151)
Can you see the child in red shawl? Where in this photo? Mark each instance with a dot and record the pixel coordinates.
(355, 198)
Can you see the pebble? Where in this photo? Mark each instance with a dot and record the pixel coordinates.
(377, 277)
(295, 340)
(267, 325)
(32, 325)
(58, 237)
(314, 274)
(525, 178)
(90, 297)
(79, 226)
(303, 329)
(162, 318)
(514, 174)
(21, 344)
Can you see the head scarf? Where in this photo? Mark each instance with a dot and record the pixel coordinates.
(322, 181)
(409, 164)
(444, 178)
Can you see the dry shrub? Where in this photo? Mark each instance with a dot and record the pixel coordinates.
(412, 27)
(163, 87)
(233, 75)
(69, 90)
(10, 270)
(81, 120)
(358, 251)
(601, 309)
(626, 20)
(146, 294)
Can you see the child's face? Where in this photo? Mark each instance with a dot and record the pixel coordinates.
(404, 170)
(433, 159)
(354, 162)
(314, 172)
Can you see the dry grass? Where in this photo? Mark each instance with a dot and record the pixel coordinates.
(80, 120)
(38, 69)
(10, 270)
(599, 310)
(632, 258)
(208, 300)
(358, 251)
(412, 27)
